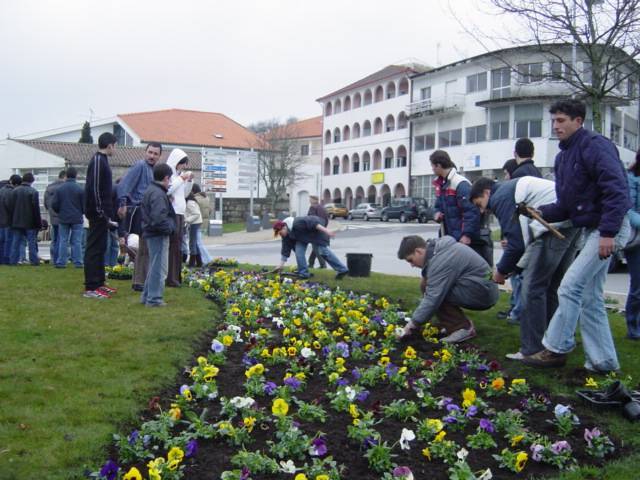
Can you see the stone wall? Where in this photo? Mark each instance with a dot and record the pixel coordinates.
(236, 209)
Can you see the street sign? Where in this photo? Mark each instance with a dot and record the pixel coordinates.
(214, 170)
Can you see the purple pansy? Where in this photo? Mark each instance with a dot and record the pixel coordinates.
(318, 447)
(133, 438)
(292, 382)
(269, 388)
(536, 451)
(109, 470)
(560, 446)
(362, 396)
(486, 425)
(191, 449)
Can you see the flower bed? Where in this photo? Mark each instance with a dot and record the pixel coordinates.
(223, 262)
(119, 272)
(302, 382)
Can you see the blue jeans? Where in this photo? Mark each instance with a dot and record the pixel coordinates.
(632, 308)
(581, 299)
(70, 233)
(515, 301)
(54, 247)
(113, 249)
(20, 235)
(158, 268)
(330, 257)
(5, 245)
(324, 251)
(204, 254)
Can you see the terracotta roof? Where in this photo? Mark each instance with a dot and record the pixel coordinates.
(386, 72)
(189, 127)
(311, 127)
(78, 154)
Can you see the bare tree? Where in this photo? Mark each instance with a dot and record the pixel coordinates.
(279, 159)
(603, 34)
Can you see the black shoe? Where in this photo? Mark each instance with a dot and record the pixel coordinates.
(137, 288)
(341, 275)
(503, 314)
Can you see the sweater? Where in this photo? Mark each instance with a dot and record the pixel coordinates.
(98, 188)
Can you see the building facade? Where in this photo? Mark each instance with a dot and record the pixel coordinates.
(477, 108)
(366, 138)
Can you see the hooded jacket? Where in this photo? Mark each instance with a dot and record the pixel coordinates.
(455, 274)
(461, 217)
(158, 217)
(179, 190)
(591, 184)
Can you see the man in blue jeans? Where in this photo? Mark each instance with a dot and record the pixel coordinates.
(592, 192)
(54, 246)
(24, 206)
(5, 218)
(68, 204)
(158, 223)
(297, 233)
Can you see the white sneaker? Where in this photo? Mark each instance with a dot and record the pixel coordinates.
(515, 356)
(461, 335)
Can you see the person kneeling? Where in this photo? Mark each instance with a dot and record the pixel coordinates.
(456, 277)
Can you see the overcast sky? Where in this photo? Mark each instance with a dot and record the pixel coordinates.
(249, 59)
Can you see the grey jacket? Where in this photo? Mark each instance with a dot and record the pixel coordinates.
(455, 274)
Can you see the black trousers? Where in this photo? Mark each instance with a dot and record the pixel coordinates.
(94, 253)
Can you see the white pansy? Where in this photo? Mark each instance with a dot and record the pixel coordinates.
(288, 466)
(406, 437)
(306, 352)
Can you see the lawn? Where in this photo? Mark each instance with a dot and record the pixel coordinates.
(75, 371)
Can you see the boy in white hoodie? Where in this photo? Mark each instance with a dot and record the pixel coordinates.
(180, 188)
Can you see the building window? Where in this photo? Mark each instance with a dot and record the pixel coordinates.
(450, 138)
(529, 72)
(476, 134)
(631, 90)
(614, 133)
(418, 145)
(356, 165)
(477, 82)
(425, 93)
(388, 162)
(366, 163)
(499, 120)
(500, 82)
(304, 150)
(401, 161)
(587, 72)
(425, 142)
(528, 120)
(630, 140)
(556, 71)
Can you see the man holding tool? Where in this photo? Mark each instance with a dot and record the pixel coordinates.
(539, 250)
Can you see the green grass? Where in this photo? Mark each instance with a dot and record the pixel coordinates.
(73, 370)
(233, 227)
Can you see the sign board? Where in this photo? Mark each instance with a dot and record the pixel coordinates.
(472, 161)
(214, 170)
(247, 170)
(377, 178)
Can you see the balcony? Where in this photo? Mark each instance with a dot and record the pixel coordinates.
(436, 107)
(526, 93)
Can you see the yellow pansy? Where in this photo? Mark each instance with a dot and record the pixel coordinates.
(154, 474)
(435, 424)
(227, 340)
(132, 474)
(174, 412)
(280, 407)
(440, 436)
(409, 353)
(591, 383)
(175, 453)
(249, 422)
(516, 439)
(322, 477)
(426, 453)
(384, 361)
(469, 397)
(353, 411)
(521, 461)
(202, 361)
(301, 476)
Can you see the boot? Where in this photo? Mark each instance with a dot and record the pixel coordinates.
(198, 260)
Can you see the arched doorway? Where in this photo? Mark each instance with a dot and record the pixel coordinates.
(326, 196)
(359, 195)
(385, 195)
(348, 198)
(371, 194)
(337, 195)
(399, 191)
(302, 206)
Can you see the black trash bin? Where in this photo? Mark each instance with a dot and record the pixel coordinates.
(359, 264)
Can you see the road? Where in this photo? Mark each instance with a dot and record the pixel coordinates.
(379, 239)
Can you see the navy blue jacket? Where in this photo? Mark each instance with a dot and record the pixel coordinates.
(158, 216)
(461, 217)
(24, 208)
(591, 184)
(526, 169)
(68, 202)
(503, 205)
(98, 189)
(5, 213)
(304, 230)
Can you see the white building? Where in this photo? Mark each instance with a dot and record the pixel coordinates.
(477, 108)
(366, 138)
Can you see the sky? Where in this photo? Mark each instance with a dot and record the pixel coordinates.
(67, 61)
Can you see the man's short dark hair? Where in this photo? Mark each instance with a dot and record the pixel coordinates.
(72, 172)
(28, 178)
(571, 107)
(510, 166)
(106, 139)
(524, 148)
(409, 244)
(15, 179)
(442, 158)
(160, 171)
(479, 186)
(154, 145)
(62, 174)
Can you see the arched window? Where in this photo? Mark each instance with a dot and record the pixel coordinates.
(377, 126)
(391, 90)
(337, 196)
(327, 166)
(379, 96)
(337, 106)
(366, 162)
(336, 166)
(346, 133)
(345, 164)
(328, 109)
(389, 123)
(402, 120)
(371, 194)
(347, 103)
(327, 137)
(336, 135)
(401, 156)
(377, 160)
(403, 87)
(388, 158)
(357, 100)
(326, 196)
(366, 128)
(355, 163)
(359, 195)
(356, 130)
(368, 98)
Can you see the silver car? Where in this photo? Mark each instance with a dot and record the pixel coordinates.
(366, 211)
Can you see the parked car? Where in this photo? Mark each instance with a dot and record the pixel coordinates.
(336, 210)
(406, 209)
(366, 211)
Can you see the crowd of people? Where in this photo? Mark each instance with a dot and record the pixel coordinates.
(557, 237)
